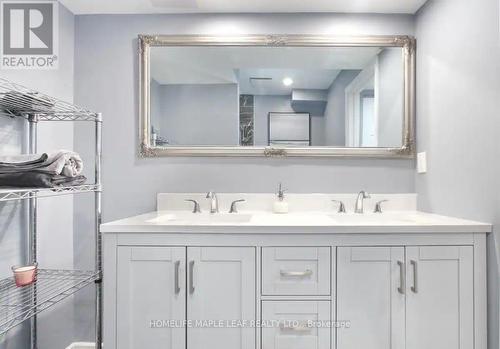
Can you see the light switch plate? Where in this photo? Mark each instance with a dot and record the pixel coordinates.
(422, 162)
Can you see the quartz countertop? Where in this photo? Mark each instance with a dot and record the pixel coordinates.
(257, 222)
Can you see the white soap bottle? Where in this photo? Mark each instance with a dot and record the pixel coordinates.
(280, 205)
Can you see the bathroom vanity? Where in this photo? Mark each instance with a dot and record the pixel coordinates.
(310, 279)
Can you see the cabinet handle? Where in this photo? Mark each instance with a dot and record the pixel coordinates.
(401, 288)
(177, 288)
(304, 273)
(302, 327)
(191, 277)
(414, 288)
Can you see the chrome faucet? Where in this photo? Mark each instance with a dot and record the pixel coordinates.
(359, 201)
(378, 206)
(214, 202)
(233, 208)
(196, 206)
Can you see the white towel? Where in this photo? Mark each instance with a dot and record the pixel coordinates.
(64, 162)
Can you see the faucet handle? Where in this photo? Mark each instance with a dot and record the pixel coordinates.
(365, 195)
(233, 208)
(196, 207)
(341, 206)
(378, 206)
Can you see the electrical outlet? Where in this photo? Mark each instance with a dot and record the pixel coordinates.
(422, 162)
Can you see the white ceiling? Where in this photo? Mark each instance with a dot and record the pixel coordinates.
(310, 79)
(217, 65)
(241, 6)
(309, 67)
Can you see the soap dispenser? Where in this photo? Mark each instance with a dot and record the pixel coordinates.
(280, 205)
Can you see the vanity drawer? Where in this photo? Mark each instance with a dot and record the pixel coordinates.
(296, 325)
(296, 271)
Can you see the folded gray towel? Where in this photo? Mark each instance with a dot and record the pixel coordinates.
(21, 163)
(22, 160)
(39, 180)
(64, 162)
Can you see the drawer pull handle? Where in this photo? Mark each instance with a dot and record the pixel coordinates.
(304, 273)
(298, 328)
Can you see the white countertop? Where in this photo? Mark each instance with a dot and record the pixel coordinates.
(257, 222)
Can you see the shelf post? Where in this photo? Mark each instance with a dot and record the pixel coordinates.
(32, 226)
(98, 237)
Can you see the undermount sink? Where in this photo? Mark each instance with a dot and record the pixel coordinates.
(373, 219)
(205, 218)
(292, 219)
(184, 218)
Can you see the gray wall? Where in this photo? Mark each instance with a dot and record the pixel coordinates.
(106, 77)
(458, 103)
(390, 91)
(155, 107)
(55, 222)
(200, 114)
(335, 109)
(310, 101)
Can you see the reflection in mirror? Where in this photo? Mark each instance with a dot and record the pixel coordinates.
(277, 96)
(289, 129)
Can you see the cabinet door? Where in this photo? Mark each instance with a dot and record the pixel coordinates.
(370, 296)
(296, 325)
(221, 288)
(150, 292)
(440, 300)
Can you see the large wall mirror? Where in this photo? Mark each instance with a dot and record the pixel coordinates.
(277, 96)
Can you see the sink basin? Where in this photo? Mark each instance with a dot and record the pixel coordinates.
(374, 219)
(183, 218)
(292, 219)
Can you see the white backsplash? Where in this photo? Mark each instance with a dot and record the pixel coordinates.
(297, 202)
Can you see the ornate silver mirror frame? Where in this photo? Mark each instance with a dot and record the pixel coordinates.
(405, 42)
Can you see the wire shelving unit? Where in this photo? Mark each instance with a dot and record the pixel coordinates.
(19, 304)
(23, 193)
(51, 287)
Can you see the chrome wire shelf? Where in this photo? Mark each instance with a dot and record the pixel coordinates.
(51, 287)
(20, 304)
(19, 101)
(11, 194)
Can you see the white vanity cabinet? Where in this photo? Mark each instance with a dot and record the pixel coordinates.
(375, 290)
(296, 271)
(370, 296)
(406, 297)
(440, 297)
(293, 330)
(161, 287)
(150, 280)
(221, 287)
